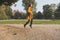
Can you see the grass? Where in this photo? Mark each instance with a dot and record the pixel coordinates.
(34, 21)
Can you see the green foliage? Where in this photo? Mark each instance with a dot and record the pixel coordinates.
(7, 2)
(3, 15)
(5, 10)
(19, 15)
(38, 15)
(9, 12)
(47, 12)
(2, 12)
(57, 12)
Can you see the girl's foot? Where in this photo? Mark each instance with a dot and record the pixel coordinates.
(30, 26)
(24, 26)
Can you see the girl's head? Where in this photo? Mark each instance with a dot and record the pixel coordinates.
(30, 5)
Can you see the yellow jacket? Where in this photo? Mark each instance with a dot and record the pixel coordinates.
(30, 10)
(30, 13)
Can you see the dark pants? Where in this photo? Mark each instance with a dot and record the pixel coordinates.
(29, 21)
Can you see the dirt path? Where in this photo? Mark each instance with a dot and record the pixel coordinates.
(38, 32)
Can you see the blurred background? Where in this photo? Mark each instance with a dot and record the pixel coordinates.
(17, 9)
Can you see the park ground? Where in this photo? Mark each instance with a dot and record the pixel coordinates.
(38, 32)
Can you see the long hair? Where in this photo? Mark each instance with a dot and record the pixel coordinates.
(29, 5)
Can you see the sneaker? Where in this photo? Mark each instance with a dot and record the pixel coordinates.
(24, 26)
(30, 26)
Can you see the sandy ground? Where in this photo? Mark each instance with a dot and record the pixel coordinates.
(38, 32)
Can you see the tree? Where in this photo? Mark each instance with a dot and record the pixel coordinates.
(57, 12)
(17, 15)
(23, 15)
(38, 15)
(4, 9)
(9, 12)
(7, 2)
(2, 12)
(26, 2)
(53, 8)
(47, 12)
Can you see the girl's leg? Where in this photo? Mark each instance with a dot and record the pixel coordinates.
(31, 23)
(26, 23)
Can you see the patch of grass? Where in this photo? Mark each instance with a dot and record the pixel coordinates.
(34, 21)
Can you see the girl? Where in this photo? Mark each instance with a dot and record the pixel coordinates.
(29, 16)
